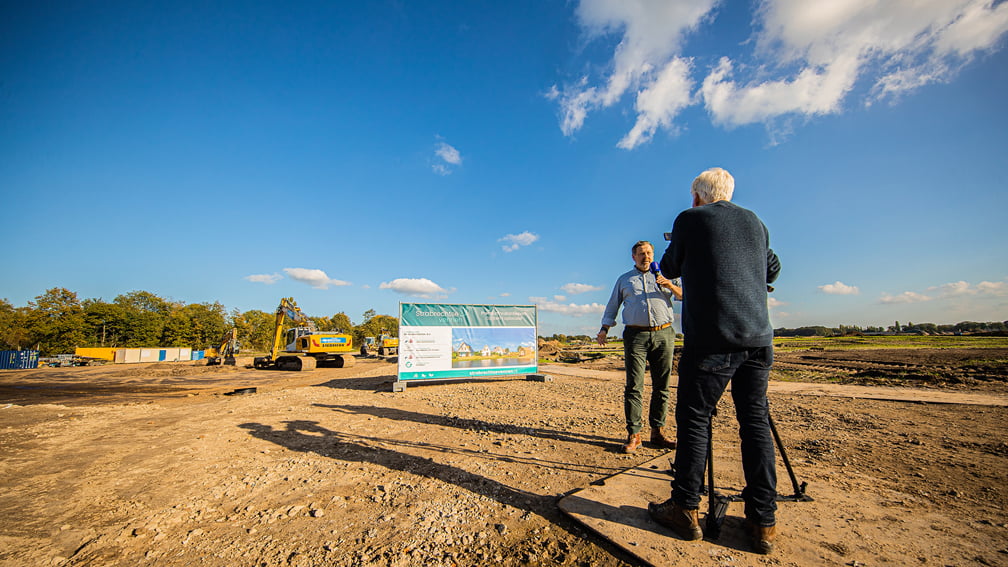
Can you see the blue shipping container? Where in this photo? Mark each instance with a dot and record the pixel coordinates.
(18, 359)
(197, 355)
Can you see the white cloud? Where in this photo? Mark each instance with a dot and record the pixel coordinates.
(840, 288)
(448, 154)
(318, 279)
(645, 59)
(576, 288)
(773, 302)
(571, 309)
(905, 297)
(953, 289)
(659, 103)
(978, 27)
(416, 287)
(517, 240)
(993, 288)
(805, 58)
(448, 157)
(268, 279)
(897, 45)
(961, 288)
(812, 92)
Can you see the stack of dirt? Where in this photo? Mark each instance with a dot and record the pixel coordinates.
(549, 349)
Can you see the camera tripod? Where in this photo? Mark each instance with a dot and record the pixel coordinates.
(717, 503)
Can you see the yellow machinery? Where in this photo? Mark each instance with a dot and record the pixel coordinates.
(227, 350)
(304, 347)
(384, 345)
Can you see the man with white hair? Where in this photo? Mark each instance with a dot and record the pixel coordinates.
(722, 253)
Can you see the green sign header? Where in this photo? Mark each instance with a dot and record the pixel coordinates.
(449, 315)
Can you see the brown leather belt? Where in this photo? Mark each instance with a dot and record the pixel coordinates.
(652, 329)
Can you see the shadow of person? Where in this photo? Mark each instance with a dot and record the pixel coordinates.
(310, 437)
(476, 425)
(383, 382)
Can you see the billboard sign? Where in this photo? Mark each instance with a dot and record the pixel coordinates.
(438, 341)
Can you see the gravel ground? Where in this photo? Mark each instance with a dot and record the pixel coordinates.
(155, 465)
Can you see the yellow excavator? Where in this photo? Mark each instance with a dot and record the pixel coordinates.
(304, 347)
(384, 346)
(227, 350)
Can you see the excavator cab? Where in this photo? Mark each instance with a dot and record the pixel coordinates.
(291, 338)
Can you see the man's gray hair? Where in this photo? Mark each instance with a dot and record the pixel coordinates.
(715, 184)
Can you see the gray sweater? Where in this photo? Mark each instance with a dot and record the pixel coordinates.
(722, 252)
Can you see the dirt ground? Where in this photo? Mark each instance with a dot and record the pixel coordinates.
(156, 464)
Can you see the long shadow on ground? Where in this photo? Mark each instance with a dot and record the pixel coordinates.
(310, 437)
(474, 424)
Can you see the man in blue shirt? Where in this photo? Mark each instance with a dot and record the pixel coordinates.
(722, 252)
(648, 338)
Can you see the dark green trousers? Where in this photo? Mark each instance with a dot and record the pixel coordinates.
(642, 348)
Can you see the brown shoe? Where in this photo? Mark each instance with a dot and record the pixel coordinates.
(632, 442)
(658, 438)
(763, 538)
(684, 522)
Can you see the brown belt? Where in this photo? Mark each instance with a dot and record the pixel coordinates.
(652, 329)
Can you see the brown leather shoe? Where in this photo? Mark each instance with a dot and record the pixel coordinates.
(684, 522)
(763, 538)
(632, 442)
(658, 438)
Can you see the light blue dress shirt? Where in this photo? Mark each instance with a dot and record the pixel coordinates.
(645, 303)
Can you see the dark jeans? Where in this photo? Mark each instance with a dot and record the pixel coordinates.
(702, 380)
(641, 348)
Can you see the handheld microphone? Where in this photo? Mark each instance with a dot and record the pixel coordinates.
(655, 269)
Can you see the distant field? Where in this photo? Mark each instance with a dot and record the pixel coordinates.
(788, 344)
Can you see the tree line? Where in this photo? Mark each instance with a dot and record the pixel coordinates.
(961, 328)
(57, 322)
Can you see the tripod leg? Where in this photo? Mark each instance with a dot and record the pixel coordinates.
(799, 489)
(717, 506)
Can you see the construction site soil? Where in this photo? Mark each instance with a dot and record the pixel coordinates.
(170, 464)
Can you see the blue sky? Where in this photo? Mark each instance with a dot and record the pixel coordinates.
(358, 154)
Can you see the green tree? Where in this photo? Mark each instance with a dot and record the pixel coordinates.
(106, 324)
(13, 326)
(195, 325)
(255, 330)
(56, 322)
(341, 322)
(374, 326)
(337, 323)
(145, 317)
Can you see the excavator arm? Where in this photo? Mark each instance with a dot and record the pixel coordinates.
(288, 309)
